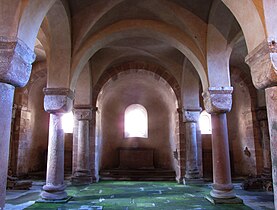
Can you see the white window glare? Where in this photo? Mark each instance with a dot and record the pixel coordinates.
(135, 121)
(67, 122)
(205, 123)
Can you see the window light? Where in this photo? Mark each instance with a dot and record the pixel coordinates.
(205, 123)
(67, 122)
(135, 121)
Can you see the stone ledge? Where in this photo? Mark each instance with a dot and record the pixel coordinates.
(198, 181)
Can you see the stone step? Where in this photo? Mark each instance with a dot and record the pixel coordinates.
(138, 175)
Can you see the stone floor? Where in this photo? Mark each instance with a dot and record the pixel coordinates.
(128, 195)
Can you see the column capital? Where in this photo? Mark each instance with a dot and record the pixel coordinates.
(82, 114)
(58, 100)
(218, 99)
(263, 64)
(16, 60)
(191, 114)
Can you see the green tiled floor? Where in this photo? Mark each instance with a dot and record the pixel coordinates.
(137, 195)
(140, 195)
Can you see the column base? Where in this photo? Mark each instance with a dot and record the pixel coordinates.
(266, 173)
(81, 180)
(215, 201)
(65, 200)
(192, 174)
(226, 193)
(53, 192)
(95, 178)
(187, 181)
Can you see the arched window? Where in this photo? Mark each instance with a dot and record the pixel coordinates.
(205, 123)
(67, 122)
(135, 121)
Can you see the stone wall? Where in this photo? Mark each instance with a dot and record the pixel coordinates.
(116, 97)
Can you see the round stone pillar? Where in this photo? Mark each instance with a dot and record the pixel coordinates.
(82, 175)
(263, 61)
(15, 68)
(191, 117)
(6, 101)
(57, 101)
(218, 101)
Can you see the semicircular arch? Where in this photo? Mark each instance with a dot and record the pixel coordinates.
(146, 28)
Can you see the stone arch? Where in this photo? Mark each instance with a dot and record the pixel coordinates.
(59, 46)
(145, 28)
(253, 30)
(31, 19)
(221, 36)
(154, 70)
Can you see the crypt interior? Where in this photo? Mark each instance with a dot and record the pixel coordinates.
(153, 90)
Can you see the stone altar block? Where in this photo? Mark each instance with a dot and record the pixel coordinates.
(136, 158)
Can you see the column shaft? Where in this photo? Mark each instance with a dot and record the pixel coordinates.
(54, 188)
(6, 101)
(83, 147)
(82, 174)
(222, 184)
(192, 171)
(271, 105)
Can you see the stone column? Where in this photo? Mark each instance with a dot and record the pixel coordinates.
(191, 117)
(93, 147)
(262, 118)
(57, 101)
(218, 101)
(263, 64)
(15, 68)
(180, 153)
(82, 175)
(6, 101)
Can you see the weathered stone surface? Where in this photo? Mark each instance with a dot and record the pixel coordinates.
(58, 100)
(15, 61)
(82, 174)
(191, 115)
(271, 101)
(54, 189)
(6, 101)
(218, 99)
(222, 184)
(263, 64)
(192, 171)
(83, 114)
(261, 113)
